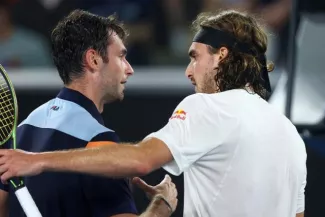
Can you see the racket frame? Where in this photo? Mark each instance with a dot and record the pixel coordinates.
(24, 197)
(12, 90)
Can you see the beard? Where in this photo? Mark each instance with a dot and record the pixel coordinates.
(112, 93)
(208, 83)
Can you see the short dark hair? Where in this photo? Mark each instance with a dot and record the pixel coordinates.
(77, 33)
(238, 68)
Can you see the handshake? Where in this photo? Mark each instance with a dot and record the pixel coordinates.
(163, 197)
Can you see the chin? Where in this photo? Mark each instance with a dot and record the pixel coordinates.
(121, 96)
(114, 98)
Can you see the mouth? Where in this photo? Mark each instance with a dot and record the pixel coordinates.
(123, 82)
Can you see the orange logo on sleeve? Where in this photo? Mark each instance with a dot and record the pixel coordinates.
(179, 114)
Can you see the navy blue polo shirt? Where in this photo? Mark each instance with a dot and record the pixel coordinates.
(70, 121)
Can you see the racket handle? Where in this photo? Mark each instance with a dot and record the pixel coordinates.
(27, 203)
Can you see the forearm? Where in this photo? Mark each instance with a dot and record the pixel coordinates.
(157, 208)
(112, 160)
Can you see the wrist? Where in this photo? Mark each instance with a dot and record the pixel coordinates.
(163, 208)
(161, 199)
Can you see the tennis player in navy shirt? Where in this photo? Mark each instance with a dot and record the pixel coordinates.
(94, 69)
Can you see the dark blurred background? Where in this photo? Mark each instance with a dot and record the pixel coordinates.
(158, 45)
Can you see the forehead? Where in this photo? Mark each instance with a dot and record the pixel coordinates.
(116, 42)
(198, 47)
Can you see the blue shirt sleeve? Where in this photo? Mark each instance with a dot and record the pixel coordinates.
(109, 136)
(108, 196)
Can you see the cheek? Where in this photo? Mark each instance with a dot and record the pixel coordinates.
(196, 68)
(199, 69)
(114, 69)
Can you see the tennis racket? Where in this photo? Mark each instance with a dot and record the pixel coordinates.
(8, 125)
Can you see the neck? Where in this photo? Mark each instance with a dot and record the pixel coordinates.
(87, 90)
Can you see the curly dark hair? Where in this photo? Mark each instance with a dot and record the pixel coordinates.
(238, 69)
(77, 33)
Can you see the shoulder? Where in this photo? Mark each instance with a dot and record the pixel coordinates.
(222, 100)
(194, 101)
(191, 108)
(38, 113)
(67, 117)
(194, 98)
(201, 108)
(203, 99)
(200, 102)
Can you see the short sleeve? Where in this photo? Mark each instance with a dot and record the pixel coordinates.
(105, 138)
(301, 196)
(195, 128)
(106, 196)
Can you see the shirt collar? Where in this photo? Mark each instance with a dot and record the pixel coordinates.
(83, 101)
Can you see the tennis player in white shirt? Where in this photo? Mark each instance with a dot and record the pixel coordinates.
(240, 157)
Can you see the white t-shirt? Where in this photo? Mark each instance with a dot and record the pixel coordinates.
(240, 157)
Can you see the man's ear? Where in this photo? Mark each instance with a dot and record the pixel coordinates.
(219, 56)
(92, 60)
(223, 53)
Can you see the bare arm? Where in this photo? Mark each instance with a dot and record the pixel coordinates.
(3, 203)
(121, 160)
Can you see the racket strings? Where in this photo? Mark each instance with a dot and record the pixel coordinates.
(5, 124)
(7, 111)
